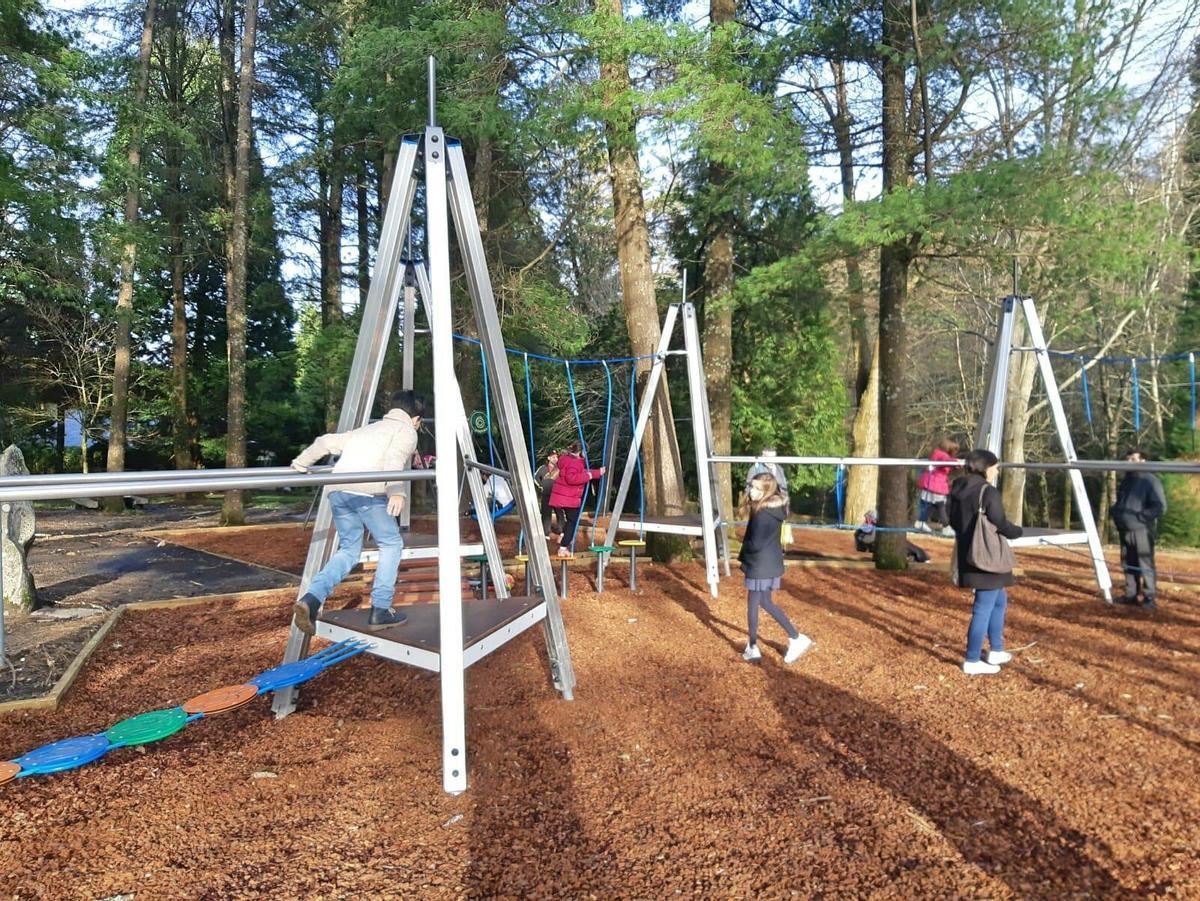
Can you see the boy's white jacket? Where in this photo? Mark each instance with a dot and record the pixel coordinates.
(384, 446)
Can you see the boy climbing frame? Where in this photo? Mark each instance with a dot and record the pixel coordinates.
(459, 634)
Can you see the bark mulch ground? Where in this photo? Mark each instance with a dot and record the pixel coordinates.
(870, 767)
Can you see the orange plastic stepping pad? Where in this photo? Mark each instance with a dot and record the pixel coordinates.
(220, 700)
(8, 771)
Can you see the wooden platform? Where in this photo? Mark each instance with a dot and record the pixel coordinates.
(487, 625)
(1047, 537)
(670, 525)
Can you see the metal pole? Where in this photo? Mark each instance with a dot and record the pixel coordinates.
(432, 70)
(1103, 579)
(4, 510)
(183, 485)
(645, 411)
(702, 440)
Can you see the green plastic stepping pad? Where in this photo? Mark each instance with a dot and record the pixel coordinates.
(477, 558)
(601, 549)
(147, 727)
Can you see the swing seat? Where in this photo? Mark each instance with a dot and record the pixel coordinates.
(497, 513)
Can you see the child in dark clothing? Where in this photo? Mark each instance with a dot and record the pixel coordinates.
(864, 539)
(762, 562)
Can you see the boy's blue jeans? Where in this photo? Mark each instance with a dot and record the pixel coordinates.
(987, 618)
(351, 513)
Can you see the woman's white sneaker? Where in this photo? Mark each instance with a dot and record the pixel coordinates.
(752, 653)
(979, 668)
(797, 648)
(998, 657)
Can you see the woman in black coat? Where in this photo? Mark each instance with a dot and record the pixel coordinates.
(968, 495)
(762, 562)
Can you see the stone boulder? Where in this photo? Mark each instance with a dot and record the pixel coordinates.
(19, 589)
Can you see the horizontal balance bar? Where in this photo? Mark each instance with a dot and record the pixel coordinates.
(917, 462)
(171, 482)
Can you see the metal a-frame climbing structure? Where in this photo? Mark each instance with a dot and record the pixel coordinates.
(990, 434)
(447, 636)
(710, 523)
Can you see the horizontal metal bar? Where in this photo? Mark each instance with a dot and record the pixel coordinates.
(922, 463)
(171, 483)
(494, 470)
(152, 475)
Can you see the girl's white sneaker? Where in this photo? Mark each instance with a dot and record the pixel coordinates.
(979, 668)
(797, 648)
(998, 657)
(752, 652)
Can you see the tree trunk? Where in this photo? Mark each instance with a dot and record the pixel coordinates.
(123, 361)
(864, 342)
(1021, 376)
(664, 476)
(181, 440)
(862, 482)
(718, 298)
(83, 448)
(894, 259)
(481, 183)
(60, 437)
(233, 512)
(331, 279)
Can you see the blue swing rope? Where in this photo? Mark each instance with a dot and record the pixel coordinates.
(640, 475)
(1137, 399)
(1087, 395)
(604, 446)
(487, 412)
(839, 489)
(582, 441)
(529, 409)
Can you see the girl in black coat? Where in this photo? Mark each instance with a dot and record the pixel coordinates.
(968, 495)
(762, 562)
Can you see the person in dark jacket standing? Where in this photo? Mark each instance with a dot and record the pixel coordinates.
(1140, 504)
(969, 495)
(567, 495)
(762, 562)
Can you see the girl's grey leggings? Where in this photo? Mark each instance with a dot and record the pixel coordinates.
(756, 599)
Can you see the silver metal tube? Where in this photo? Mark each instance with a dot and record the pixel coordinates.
(1083, 465)
(175, 485)
(4, 508)
(432, 68)
(494, 470)
(153, 475)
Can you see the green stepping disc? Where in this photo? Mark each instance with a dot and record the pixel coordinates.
(477, 558)
(601, 549)
(147, 727)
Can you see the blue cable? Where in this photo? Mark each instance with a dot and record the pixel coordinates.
(604, 446)
(1137, 400)
(839, 490)
(487, 412)
(1087, 397)
(641, 476)
(575, 408)
(529, 409)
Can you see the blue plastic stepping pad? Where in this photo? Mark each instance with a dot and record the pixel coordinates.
(63, 755)
(287, 675)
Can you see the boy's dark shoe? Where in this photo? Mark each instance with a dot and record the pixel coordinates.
(384, 617)
(1149, 604)
(1128, 601)
(304, 614)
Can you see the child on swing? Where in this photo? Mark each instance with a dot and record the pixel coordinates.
(762, 562)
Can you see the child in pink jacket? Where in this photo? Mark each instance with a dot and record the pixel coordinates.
(567, 496)
(934, 486)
